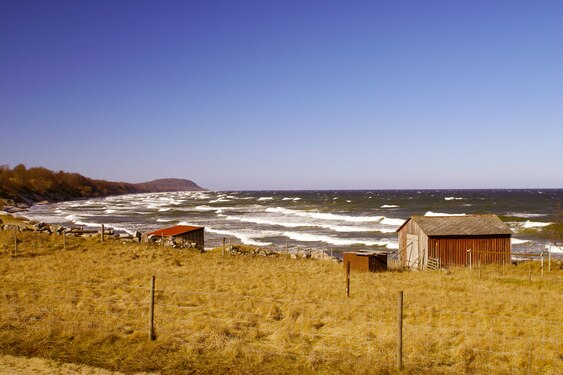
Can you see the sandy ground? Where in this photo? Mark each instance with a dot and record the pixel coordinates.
(39, 366)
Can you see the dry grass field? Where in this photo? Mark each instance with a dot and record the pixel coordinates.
(89, 305)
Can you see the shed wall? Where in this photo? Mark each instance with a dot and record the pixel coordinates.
(452, 251)
(195, 236)
(412, 227)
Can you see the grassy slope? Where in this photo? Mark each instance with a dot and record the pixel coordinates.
(242, 314)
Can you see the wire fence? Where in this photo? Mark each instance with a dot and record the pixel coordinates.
(291, 327)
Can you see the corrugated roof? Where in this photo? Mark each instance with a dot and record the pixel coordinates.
(468, 225)
(173, 231)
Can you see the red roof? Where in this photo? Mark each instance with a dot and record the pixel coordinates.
(174, 231)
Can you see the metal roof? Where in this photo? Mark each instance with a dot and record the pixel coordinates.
(173, 231)
(467, 225)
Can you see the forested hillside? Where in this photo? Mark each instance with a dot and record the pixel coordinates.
(37, 184)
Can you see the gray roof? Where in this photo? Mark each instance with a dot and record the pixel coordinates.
(468, 225)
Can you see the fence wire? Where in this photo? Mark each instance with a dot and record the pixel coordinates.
(272, 326)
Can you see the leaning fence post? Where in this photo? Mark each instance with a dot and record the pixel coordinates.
(400, 332)
(151, 312)
(348, 279)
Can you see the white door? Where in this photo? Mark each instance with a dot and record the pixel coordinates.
(412, 251)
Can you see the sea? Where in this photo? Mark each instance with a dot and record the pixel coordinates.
(322, 220)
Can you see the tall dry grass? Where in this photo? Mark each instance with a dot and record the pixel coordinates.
(244, 314)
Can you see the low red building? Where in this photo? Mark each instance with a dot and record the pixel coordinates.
(185, 233)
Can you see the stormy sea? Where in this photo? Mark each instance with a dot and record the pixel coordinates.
(339, 220)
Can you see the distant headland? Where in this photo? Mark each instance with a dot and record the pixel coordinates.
(30, 185)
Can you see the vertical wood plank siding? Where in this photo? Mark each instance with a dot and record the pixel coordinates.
(452, 251)
(412, 227)
(196, 236)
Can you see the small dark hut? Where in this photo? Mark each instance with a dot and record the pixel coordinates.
(184, 233)
(366, 261)
(430, 241)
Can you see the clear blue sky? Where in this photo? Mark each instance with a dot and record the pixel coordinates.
(286, 94)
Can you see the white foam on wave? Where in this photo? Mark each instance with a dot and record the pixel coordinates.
(298, 224)
(534, 224)
(389, 206)
(392, 222)
(453, 198)
(265, 198)
(308, 237)
(291, 199)
(248, 238)
(207, 208)
(267, 221)
(164, 209)
(165, 220)
(219, 200)
(430, 213)
(325, 216)
(109, 211)
(516, 241)
(524, 215)
(554, 249)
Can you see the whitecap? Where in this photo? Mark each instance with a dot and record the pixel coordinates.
(554, 249)
(524, 214)
(430, 213)
(534, 224)
(516, 241)
(266, 221)
(248, 238)
(308, 237)
(219, 200)
(453, 198)
(392, 221)
(324, 216)
(389, 206)
(265, 198)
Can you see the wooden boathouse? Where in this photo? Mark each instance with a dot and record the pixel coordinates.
(185, 233)
(434, 241)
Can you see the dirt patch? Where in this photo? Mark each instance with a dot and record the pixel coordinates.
(38, 366)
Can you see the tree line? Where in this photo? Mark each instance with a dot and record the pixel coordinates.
(36, 184)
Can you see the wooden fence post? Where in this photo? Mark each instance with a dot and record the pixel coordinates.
(541, 267)
(479, 269)
(223, 254)
(151, 312)
(530, 272)
(16, 240)
(64, 241)
(348, 279)
(469, 254)
(549, 259)
(400, 332)
(103, 232)
(287, 250)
